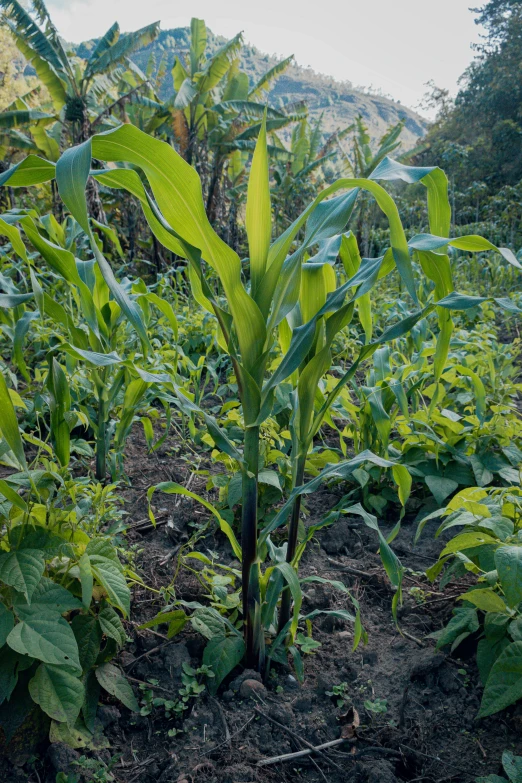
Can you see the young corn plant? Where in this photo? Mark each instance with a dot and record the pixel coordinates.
(283, 277)
(89, 331)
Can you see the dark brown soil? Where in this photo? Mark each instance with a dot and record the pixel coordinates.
(428, 732)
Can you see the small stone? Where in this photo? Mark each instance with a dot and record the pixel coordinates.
(344, 636)
(291, 683)
(247, 674)
(251, 689)
(126, 658)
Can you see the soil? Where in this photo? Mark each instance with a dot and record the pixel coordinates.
(428, 731)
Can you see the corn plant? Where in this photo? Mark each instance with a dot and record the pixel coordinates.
(89, 332)
(249, 317)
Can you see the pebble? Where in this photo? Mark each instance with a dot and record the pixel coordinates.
(250, 689)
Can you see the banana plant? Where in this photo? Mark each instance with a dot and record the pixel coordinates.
(249, 315)
(76, 88)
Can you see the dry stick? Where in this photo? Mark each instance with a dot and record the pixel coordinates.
(350, 570)
(306, 752)
(151, 630)
(310, 748)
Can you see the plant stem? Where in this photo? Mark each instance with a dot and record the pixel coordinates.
(284, 614)
(250, 567)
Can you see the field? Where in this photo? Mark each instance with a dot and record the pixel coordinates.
(260, 434)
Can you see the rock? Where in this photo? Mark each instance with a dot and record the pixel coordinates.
(291, 683)
(344, 636)
(62, 758)
(252, 689)
(174, 656)
(126, 658)
(381, 772)
(427, 663)
(108, 714)
(247, 674)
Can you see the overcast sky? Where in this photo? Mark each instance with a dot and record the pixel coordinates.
(394, 45)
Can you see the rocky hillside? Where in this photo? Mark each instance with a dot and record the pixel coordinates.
(339, 101)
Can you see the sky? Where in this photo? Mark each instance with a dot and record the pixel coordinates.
(392, 45)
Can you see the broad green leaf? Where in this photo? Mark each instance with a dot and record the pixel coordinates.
(86, 579)
(59, 694)
(504, 685)
(485, 599)
(441, 487)
(48, 638)
(114, 682)
(88, 635)
(109, 575)
(508, 560)
(22, 569)
(512, 766)
(112, 626)
(222, 654)
(402, 478)
(6, 623)
(48, 596)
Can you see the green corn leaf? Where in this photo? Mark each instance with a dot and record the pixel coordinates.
(258, 211)
(72, 173)
(9, 424)
(171, 488)
(30, 171)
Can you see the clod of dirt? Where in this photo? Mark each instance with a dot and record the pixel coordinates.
(252, 689)
(427, 663)
(108, 714)
(381, 772)
(174, 656)
(239, 773)
(62, 758)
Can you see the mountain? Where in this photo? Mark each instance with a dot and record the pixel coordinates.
(339, 102)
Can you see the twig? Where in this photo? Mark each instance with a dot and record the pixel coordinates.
(306, 752)
(412, 638)
(311, 748)
(171, 555)
(146, 521)
(151, 630)
(350, 570)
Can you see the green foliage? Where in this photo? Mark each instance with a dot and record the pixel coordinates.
(489, 547)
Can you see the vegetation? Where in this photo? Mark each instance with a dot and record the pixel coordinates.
(366, 343)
